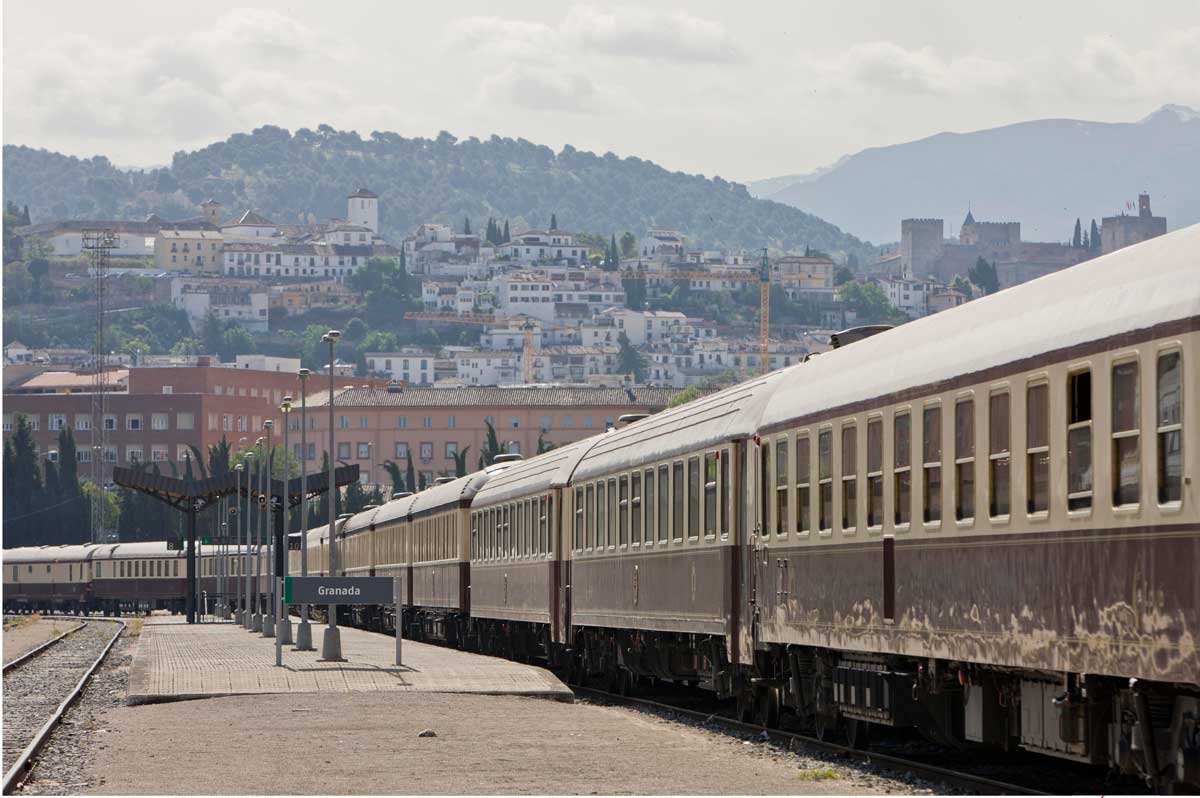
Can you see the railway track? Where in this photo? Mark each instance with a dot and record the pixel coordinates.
(38, 649)
(959, 780)
(41, 685)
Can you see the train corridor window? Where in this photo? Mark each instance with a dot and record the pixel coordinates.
(803, 494)
(590, 512)
(1169, 421)
(651, 507)
(121, 568)
(623, 511)
(999, 455)
(635, 508)
(931, 454)
(710, 494)
(474, 536)
(964, 459)
(724, 469)
(1126, 409)
(781, 487)
(902, 468)
(677, 501)
(1079, 440)
(601, 515)
(1037, 442)
(875, 472)
(579, 519)
(693, 518)
(850, 476)
(612, 513)
(664, 503)
(825, 480)
(544, 513)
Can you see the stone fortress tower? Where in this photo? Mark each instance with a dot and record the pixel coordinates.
(1121, 231)
(920, 245)
(362, 208)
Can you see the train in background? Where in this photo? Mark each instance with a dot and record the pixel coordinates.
(982, 525)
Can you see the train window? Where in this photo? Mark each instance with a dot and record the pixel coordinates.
(623, 511)
(612, 513)
(70, 573)
(47, 568)
(693, 517)
(1079, 440)
(602, 538)
(1037, 442)
(1125, 428)
(664, 503)
(825, 480)
(579, 519)
(590, 512)
(875, 472)
(158, 568)
(964, 459)
(902, 468)
(16, 572)
(999, 455)
(764, 487)
(651, 507)
(510, 539)
(545, 512)
(803, 475)
(781, 486)
(724, 461)
(1169, 425)
(931, 453)
(121, 568)
(710, 494)
(635, 508)
(474, 535)
(850, 476)
(677, 501)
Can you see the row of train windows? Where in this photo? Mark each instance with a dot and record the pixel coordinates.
(516, 530)
(1125, 447)
(656, 505)
(209, 566)
(147, 568)
(434, 539)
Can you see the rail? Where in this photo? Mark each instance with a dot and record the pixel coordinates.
(33, 652)
(20, 769)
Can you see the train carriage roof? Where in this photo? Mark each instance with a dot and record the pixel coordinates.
(709, 420)
(394, 510)
(452, 494)
(89, 551)
(541, 473)
(1135, 288)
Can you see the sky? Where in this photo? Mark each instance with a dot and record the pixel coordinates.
(743, 90)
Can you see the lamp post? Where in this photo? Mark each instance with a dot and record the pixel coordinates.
(239, 616)
(331, 643)
(268, 622)
(283, 624)
(304, 629)
(256, 624)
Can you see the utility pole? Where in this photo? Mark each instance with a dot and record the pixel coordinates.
(97, 244)
(764, 313)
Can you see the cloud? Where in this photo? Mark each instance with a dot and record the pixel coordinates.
(612, 32)
(889, 67)
(1169, 71)
(541, 90)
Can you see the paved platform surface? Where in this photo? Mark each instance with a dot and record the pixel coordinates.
(174, 661)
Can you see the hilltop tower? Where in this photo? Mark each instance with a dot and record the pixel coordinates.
(362, 208)
(920, 245)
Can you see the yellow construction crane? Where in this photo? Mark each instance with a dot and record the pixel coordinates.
(488, 320)
(762, 277)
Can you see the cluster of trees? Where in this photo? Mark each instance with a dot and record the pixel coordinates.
(304, 176)
(1083, 239)
(44, 502)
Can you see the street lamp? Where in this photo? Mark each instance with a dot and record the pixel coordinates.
(256, 622)
(268, 620)
(304, 629)
(331, 643)
(283, 624)
(239, 617)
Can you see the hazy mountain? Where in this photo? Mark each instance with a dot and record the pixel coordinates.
(305, 176)
(1043, 173)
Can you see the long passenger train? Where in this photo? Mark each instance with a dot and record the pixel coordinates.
(982, 524)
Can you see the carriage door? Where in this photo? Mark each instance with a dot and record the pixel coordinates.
(750, 525)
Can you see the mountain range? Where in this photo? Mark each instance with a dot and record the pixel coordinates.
(1043, 173)
(305, 177)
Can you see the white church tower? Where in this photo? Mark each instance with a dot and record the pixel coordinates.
(362, 208)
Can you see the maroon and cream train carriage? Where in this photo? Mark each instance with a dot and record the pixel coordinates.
(520, 571)
(985, 523)
(49, 578)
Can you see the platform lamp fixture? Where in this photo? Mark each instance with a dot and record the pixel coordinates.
(283, 624)
(304, 629)
(264, 501)
(331, 643)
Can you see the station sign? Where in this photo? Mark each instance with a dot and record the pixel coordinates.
(338, 590)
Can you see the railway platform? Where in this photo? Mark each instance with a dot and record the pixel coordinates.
(175, 661)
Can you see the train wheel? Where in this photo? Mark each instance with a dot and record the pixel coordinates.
(745, 706)
(858, 733)
(766, 707)
(824, 726)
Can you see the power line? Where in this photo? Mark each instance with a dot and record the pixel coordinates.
(45, 509)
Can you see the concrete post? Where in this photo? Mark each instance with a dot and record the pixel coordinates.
(304, 628)
(331, 642)
(279, 614)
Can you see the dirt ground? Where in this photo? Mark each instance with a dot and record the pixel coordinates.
(369, 743)
(25, 634)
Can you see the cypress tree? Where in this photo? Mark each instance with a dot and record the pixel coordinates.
(1095, 239)
(410, 474)
(466, 225)
(507, 237)
(553, 222)
(1076, 239)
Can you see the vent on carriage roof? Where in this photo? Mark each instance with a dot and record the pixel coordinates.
(629, 418)
(508, 457)
(403, 494)
(853, 334)
(444, 480)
